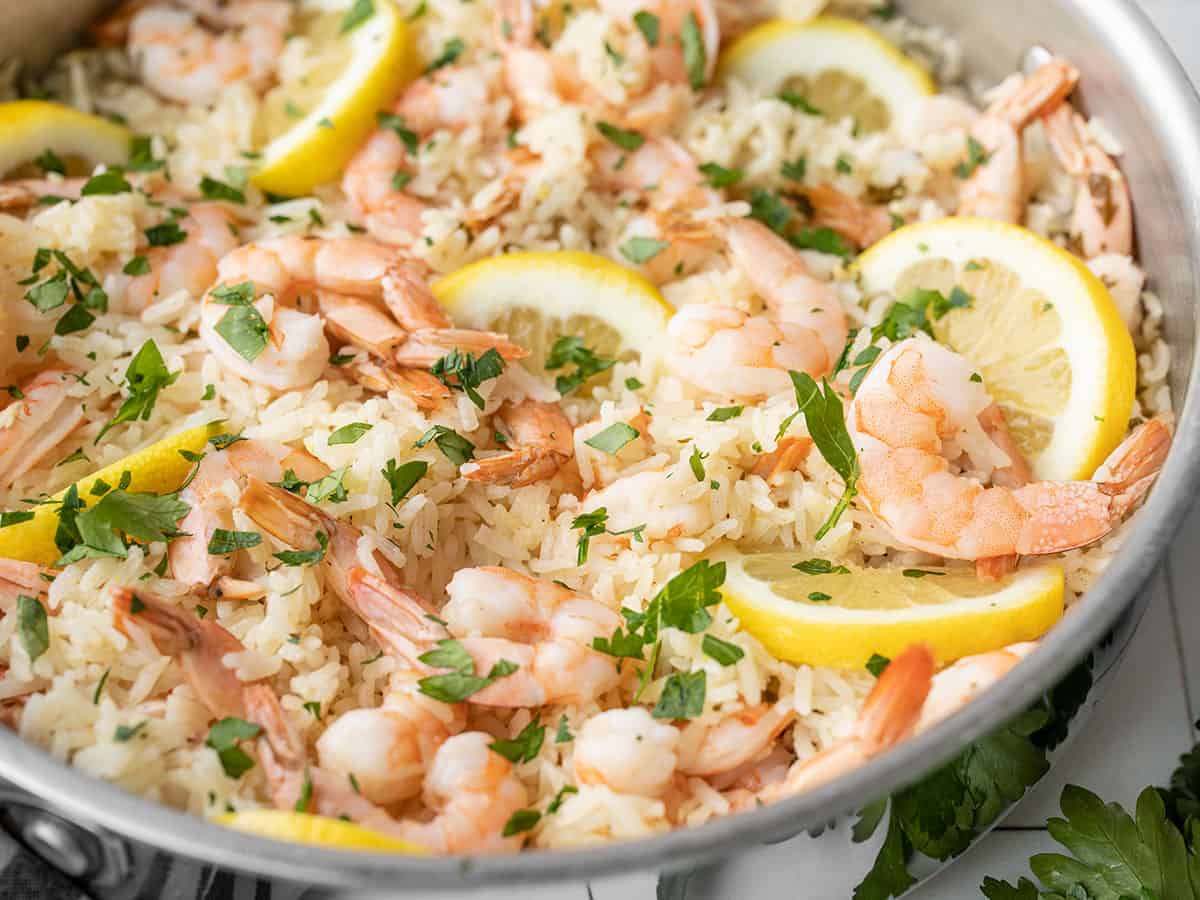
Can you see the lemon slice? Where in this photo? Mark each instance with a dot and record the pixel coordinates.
(28, 128)
(535, 298)
(883, 611)
(1043, 330)
(841, 67)
(158, 469)
(302, 828)
(312, 125)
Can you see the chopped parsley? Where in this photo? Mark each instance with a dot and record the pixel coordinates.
(613, 438)
(453, 445)
(720, 177)
(640, 250)
(359, 12)
(401, 479)
(212, 189)
(521, 821)
(349, 434)
(451, 51)
(305, 557)
(146, 376)
(824, 415)
(820, 567)
(224, 542)
(876, 664)
(595, 524)
(977, 155)
(463, 372)
(682, 696)
(649, 25)
(224, 737)
(695, 55)
(32, 626)
(723, 652)
(525, 746)
(799, 102)
(110, 182)
(462, 682)
(563, 735)
(626, 140)
(570, 350)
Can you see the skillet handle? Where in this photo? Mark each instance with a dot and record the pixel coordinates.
(41, 850)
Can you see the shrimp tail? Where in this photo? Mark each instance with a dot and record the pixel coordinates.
(198, 644)
(1130, 470)
(401, 620)
(893, 707)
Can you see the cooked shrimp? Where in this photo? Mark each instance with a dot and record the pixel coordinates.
(297, 523)
(21, 578)
(737, 740)
(211, 507)
(451, 98)
(804, 328)
(36, 422)
(344, 271)
(473, 792)
(960, 683)
(537, 79)
(389, 749)
(888, 716)
(918, 410)
(190, 265)
(542, 442)
(996, 187)
(191, 57)
(18, 195)
(499, 615)
(1103, 218)
(198, 645)
(859, 222)
(668, 57)
(670, 184)
(628, 751)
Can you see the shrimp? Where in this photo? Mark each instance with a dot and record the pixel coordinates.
(628, 751)
(918, 410)
(1103, 217)
(190, 265)
(668, 57)
(298, 524)
(388, 749)
(181, 58)
(996, 187)
(889, 715)
(859, 222)
(537, 79)
(198, 645)
(669, 182)
(473, 793)
(738, 740)
(279, 269)
(804, 328)
(496, 615)
(21, 578)
(452, 98)
(42, 417)
(211, 508)
(958, 684)
(543, 442)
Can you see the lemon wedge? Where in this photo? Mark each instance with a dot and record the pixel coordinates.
(840, 67)
(303, 828)
(1043, 330)
(312, 125)
(841, 618)
(28, 128)
(158, 469)
(535, 298)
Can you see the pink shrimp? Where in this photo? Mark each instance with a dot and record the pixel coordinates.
(918, 408)
(542, 443)
(36, 422)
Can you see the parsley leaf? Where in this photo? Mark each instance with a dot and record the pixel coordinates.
(224, 542)
(826, 420)
(525, 746)
(521, 821)
(977, 155)
(876, 664)
(356, 15)
(212, 189)
(695, 55)
(613, 438)
(453, 445)
(820, 567)
(349, 434)
(245, 330)
(458, 685)
(146, 376)
(648, 24)
(463, 372)
(224, 737)
(32, 626)
(723, 652)
(640, 250)
(563, 735)
(720, 177)
(403, 478)
(626, 140)
(570, 350)
(451, 51)
(724, 414)
(305, 557)
(682, 696)
(110, 182)
(330, 488)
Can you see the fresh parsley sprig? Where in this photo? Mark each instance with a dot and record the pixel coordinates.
(463, 372)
